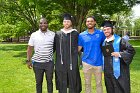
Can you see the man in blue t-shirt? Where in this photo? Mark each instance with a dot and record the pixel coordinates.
(90, 40)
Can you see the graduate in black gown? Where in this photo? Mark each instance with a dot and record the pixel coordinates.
(116, 64)
(66, 66)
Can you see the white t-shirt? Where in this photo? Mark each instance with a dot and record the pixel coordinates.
(126, 37)
(43, 45)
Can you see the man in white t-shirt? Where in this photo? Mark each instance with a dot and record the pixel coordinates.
(126, 36)
(42, 41)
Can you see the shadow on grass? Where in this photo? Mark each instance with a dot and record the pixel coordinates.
(135, 63)
(20, 50)
(21, 54)
(13, 47)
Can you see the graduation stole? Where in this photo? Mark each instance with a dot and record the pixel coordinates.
(116, 60)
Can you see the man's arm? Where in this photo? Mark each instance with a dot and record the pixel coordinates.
(127, 52)
(29, 55)
(54, 44)
(79, 48)
(80, 53)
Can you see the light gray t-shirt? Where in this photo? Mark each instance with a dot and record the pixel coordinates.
(43, 45)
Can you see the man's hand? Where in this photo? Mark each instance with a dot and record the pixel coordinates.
(29, 64)
(80, 54)
(115, 54)
(29, 54)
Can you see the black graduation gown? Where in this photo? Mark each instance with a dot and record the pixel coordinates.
(66, 78)
(122, 84)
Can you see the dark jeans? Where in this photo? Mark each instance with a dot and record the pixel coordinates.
(39, 69)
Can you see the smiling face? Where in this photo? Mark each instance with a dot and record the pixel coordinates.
(107, 31)
(67, 24)
(90, 23)
(43, 25)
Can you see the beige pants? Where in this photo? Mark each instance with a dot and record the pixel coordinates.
(88, 71)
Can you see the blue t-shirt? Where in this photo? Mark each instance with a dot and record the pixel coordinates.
(91, 44)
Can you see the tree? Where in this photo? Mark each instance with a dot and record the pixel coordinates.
(29, 10)
(81, 8)
(6, 32)
(137, 27)
(21, 29)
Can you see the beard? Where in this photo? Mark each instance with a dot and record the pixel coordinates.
(90, 26)
(68, 26)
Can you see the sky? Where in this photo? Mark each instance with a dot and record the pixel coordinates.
(136, 10)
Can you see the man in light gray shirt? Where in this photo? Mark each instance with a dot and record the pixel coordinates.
(42, 42)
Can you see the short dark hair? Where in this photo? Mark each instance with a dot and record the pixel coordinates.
(127, 33)
(91, 17)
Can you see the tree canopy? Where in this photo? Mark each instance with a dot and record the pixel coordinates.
(27, 12)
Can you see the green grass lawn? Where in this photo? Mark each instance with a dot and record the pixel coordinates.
(15, 77)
